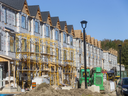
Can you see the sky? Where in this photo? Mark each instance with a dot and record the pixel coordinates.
(107, 19)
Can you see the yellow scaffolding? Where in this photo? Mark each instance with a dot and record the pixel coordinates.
(69, 59)
(40, 56)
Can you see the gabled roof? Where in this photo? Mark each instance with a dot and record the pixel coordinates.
(54, 20)
(45, 15)
(16, 4)
(62, 24)
(33, 10)
(69, 28)
(78, 34)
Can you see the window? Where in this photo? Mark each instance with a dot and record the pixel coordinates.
(71, 41)
(57, 35)
(64, 38)
(79, 44)
(36, 27)
(24, 45)
(36, 47)
(72, 56)
(48, 50)
(0, 42)
(65, 55)
(12, 44)
(0, 13)
(51, 34)
(23, 22)
(29, 25)
(17, 44)
(57, 53)
(5, 12)
(47, 31)
(15, 19)
(41, 30)
(60, 36)
(80, 58)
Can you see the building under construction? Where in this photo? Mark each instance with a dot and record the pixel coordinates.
(32, 43)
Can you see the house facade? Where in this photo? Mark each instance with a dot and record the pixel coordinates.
(45, 45)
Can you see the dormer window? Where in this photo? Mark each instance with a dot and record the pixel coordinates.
(23, 22)
(36, 27)
(57, 35)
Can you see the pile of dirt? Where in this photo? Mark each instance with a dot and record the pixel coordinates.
(46, 90)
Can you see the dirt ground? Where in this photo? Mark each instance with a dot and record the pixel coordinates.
(46, 90)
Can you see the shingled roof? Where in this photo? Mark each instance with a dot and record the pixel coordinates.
(69, 28)
(54, 20)
(45, 15)
(33, 9)
(62, 24)
(16, 4)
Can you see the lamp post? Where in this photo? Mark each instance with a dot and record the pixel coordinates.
(84, 24)
(120, 46)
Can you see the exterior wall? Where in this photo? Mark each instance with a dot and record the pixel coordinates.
(110, 61)
(94, 55)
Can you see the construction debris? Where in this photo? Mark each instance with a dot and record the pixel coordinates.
(46, 90)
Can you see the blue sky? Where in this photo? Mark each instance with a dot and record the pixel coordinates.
(107, 19)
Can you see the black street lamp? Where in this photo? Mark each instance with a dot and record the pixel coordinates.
(84, 24)
(120, 46)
